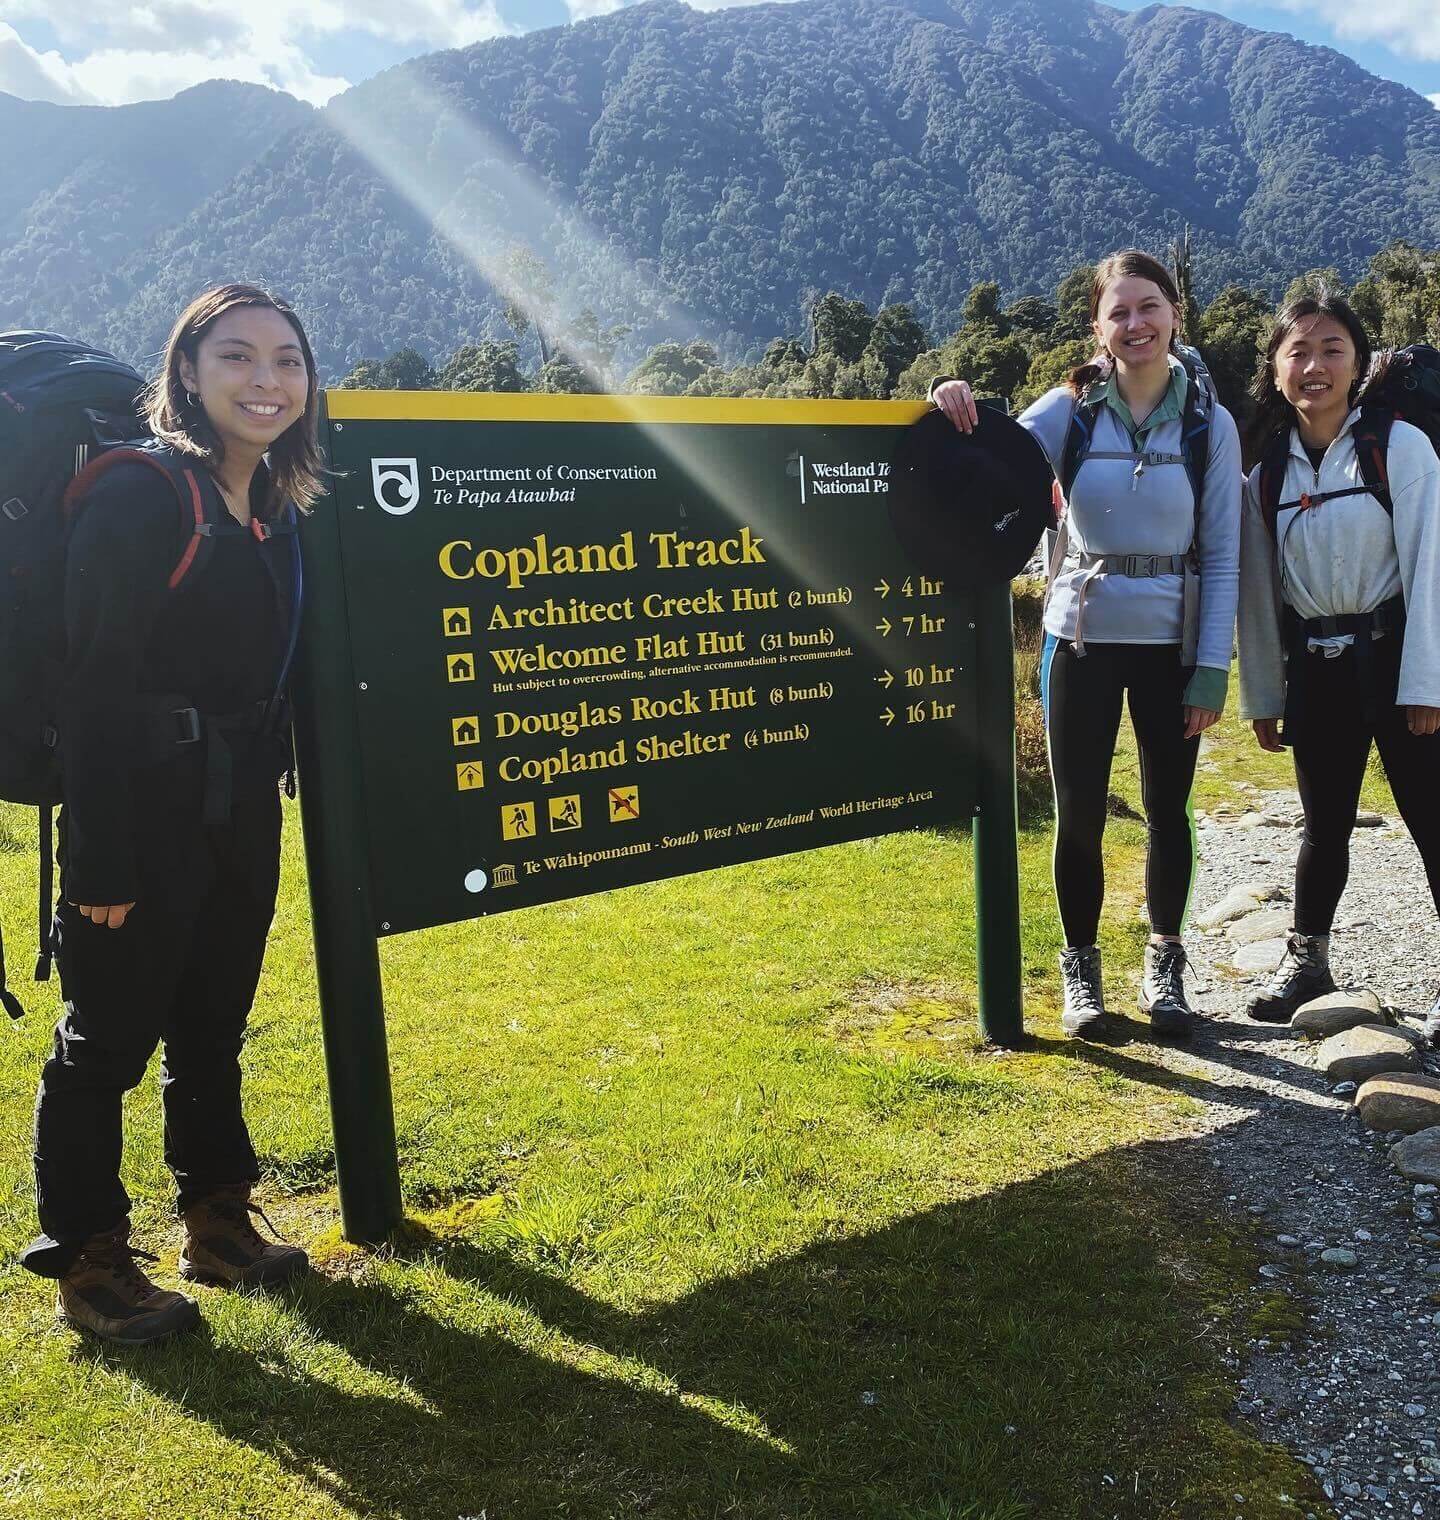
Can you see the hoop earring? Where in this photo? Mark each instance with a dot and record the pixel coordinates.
(192, 398)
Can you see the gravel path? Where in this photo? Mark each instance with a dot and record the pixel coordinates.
(1356, 1392)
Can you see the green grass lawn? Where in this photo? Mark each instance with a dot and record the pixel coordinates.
(720, 1209)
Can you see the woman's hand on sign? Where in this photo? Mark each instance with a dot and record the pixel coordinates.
(1198, 719)
(1267, 734)
(955, 399)
(1423, 720)
(111, 917)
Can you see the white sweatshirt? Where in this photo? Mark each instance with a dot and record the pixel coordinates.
(1342, 557)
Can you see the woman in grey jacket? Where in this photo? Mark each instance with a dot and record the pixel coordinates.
(1339, 616)
(1141, 609)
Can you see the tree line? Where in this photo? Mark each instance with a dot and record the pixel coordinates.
(1014, 351)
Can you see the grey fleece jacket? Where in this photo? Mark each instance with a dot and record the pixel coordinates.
(1113, 510)
(1342, 557)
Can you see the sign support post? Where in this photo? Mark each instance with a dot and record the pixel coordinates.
(996, 829)
(347, 956)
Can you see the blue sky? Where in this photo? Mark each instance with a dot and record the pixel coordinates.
(146, 49)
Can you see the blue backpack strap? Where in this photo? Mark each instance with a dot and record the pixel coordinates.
(1195, 435)
(1078, 440)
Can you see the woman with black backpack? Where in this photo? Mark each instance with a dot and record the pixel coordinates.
(1141, 607)
(1339, 613)
(181, 605)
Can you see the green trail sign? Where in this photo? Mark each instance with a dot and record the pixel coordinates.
(557, 645)
(590, 653)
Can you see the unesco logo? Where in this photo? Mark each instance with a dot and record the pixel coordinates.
(396, 484)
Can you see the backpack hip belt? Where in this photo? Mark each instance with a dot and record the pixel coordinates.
(1140, 567)
(173, 726)
(1387, 619)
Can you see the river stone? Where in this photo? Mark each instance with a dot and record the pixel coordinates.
(1257, 926)
(1263, 955)
(1241, 899)
(1338, 1011)
(1418, 1156)
(1400, 1101)
(1366, 1051)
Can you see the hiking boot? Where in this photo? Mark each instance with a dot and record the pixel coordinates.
(1430, 1029)
(1084, 997)
(1302, 974)
(1162, 991)
(106, 1293)
(223, 1246)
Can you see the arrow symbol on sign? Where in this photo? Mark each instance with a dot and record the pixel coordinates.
(887, 717)
(887, 680)
(883, 627)
(883, 588)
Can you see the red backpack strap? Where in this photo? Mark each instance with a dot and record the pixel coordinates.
(1372, 451)
(183, 480)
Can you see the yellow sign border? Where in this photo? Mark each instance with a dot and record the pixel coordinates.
(486, 406)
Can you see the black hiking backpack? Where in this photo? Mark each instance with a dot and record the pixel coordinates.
(1404, 386)
(67, 412)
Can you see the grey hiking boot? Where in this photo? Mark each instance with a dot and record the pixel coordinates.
(1084, 996)
(1162, 992)
(1302, 974)
(1430, 1029)
(223, 1246)
(106, 1293)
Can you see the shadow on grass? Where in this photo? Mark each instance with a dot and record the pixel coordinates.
(986, 1360)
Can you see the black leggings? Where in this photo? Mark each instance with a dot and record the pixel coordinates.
(1083, 697)
(1341, 707)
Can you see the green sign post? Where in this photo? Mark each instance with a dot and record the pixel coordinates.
(556, 645)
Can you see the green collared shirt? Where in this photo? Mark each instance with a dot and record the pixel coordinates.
(1171, 406)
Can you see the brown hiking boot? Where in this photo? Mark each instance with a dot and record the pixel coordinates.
(223, 1246)
(107, 1294)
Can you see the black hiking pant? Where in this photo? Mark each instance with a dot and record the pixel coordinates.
(182, 970)
(1084, 696)
(1343, 704)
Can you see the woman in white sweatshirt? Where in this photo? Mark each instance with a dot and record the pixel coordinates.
(1339, 615)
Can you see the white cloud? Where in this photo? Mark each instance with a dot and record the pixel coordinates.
(148, 49)
(1411, 27)
(37, 76)
(582, 10)
(1434, 101)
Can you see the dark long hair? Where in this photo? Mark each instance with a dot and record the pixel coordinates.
(296, 470)
(1129, 263)
(1273, 412)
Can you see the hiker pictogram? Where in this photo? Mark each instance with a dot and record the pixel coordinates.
(470, 776)
(624, 803)
(517, 820)
(465, 730)
(460, 667)
(457, 622)
(564, 814)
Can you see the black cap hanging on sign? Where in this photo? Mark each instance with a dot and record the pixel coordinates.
(970, 506)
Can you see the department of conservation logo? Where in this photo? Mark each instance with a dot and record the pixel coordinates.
(396, 485)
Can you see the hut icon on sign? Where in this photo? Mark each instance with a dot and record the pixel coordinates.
(457, 622)
(465, 730)
(460, 667)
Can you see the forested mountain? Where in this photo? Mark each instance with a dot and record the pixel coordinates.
(696, 174)
(85, 187)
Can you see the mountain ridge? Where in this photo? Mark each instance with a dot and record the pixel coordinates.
(707, 173)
